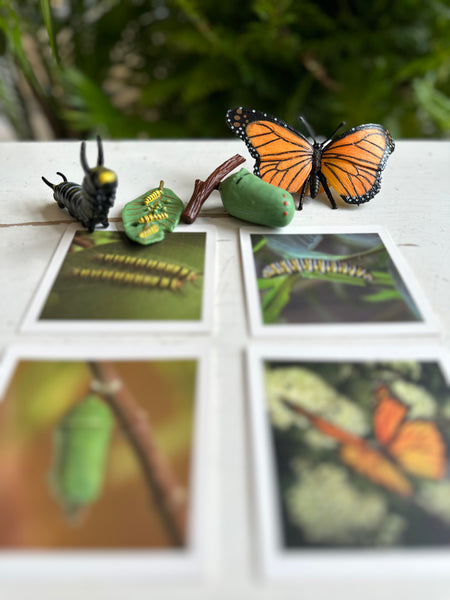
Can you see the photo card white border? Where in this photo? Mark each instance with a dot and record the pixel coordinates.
(32, 324)
(287, 565)
(428, 326)
(190, 563)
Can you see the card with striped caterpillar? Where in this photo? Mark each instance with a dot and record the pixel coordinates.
(101, 281)
(335, 279)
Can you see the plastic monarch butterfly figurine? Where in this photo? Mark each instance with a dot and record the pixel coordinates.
(90, 202)
(351, 163)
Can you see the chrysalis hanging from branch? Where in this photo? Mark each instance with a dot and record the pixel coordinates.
(81, 442)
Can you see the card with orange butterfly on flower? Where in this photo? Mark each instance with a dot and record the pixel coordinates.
(351, 458)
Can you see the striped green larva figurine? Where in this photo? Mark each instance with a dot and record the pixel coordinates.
(81, 444)
(248, 197)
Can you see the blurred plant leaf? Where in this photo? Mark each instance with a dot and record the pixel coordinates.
(434, 102)
(13, 30)
(12, 102)
(383, 296)
(277, 298)
(47, 18)
(167, 68)
(90, 108)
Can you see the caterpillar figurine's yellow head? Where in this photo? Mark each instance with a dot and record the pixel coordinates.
(99, 182)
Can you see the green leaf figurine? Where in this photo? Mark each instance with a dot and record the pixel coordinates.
(248, 197)
(148, 217)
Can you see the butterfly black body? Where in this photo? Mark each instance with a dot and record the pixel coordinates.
(314, 178)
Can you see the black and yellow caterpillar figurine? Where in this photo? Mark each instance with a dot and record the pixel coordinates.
(91, 201)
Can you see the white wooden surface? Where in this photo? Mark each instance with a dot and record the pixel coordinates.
(414, 205)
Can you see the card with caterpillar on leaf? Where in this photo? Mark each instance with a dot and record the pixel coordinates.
(331, 280)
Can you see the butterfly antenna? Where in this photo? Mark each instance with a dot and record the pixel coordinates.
(337, 129)
(309, 129)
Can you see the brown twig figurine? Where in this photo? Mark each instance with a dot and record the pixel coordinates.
(202, 189)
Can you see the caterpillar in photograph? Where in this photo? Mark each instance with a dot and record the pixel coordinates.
(315, 265)
(126, 278)
(148, 264)
(90, 202)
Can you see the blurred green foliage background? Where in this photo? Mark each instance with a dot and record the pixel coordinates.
(171, 68)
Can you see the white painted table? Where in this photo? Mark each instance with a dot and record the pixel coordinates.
(414, 206)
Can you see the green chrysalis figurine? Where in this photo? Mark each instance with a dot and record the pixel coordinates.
(248, 197)
(81, 442)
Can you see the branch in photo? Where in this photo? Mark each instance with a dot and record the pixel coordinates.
(168, 495)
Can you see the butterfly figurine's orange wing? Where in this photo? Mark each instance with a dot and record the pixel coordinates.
(283, 156)
(352, 163)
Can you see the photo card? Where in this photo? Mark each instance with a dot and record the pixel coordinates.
(350, 460)
(102, 281)
(102, 463)
(330, 280)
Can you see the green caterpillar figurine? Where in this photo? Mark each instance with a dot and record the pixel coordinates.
(248, 197)
(81, 444)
